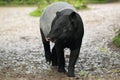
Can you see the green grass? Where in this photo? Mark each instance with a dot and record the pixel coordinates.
(102, 49)
(116, 40)
(83, 73)
(16, 3)
(36, 13)
(96, 1)
(115, 70)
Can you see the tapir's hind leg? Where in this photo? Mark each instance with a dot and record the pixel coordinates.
(46, 45)
(54, 57)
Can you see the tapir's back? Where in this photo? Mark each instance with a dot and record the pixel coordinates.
(49, 14)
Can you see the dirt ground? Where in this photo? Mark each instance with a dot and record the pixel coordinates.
(19, 32)
(9, 74)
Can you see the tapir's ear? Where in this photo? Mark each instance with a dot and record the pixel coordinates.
(72, 16)
(58, 13)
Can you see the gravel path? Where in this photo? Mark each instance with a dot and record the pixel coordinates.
(21, 48)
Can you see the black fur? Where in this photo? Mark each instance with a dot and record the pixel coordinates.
(66, 31)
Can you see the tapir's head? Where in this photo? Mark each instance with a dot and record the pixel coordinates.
(63, 25)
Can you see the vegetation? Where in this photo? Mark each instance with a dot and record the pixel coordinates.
(36, 13)
(78, 4)
(116, 39)
(34, 2)
(18, 2)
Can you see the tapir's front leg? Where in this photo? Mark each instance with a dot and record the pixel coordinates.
(73, 58)
(60, 57)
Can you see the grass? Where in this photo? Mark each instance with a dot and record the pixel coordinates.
(15, 4)
(96, 1)
(83, 73)
(81, 7)
(115, 70)
(36, 13)
(102, 49)
(116, 39)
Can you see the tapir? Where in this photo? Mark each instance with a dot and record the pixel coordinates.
(61, 24)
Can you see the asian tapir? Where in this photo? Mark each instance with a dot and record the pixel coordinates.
(60, 23)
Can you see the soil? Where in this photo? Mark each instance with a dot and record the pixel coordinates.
(21, 49)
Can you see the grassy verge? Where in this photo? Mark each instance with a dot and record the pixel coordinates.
(116, 39)
(36, 12)
(96, 1)
(16, 3)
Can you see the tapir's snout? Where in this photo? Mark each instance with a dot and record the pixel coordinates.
(50, 38)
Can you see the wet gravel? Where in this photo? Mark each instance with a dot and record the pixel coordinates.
(21, 48)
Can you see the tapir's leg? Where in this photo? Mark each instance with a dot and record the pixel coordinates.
(61, 59)
(46, 45)
(54, 57)
(73, 58)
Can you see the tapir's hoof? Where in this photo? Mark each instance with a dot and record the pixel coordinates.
(71, 75)
(62, 70)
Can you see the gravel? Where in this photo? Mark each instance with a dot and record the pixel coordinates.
(21, 48)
